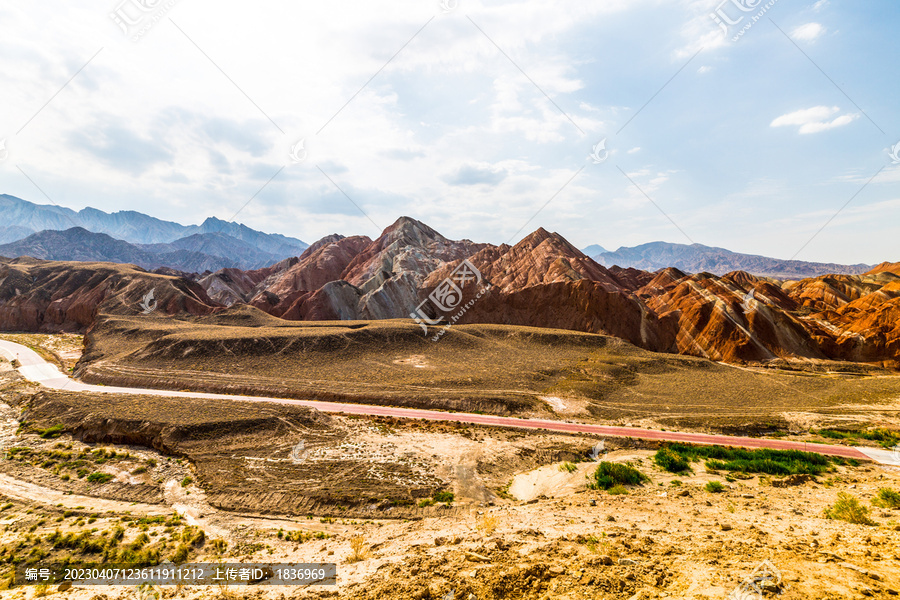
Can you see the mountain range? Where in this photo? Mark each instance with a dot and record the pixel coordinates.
(697, 258)
(28, 229)
(543, 281)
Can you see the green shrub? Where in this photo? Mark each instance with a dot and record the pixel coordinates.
(98, 477)
(715, 487)
(887, 498)
(568, 467)
(51, 432)
(187, 481)
(610, 474)
(181, 553)
(443, 496)
(669, 460)
(847, 508)
(617, 490)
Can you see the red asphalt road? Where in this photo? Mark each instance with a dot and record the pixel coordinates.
(29, 358)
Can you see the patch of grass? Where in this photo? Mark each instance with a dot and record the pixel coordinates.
(187, 481)
(98, 477)
(887, 498)
(669, 460)
(617, 490)
(609, 474)
(847, 508)
(568, 467)
(181, 554)
(885, 437)
(443, 496)
(714, 487)
(763, 460)
(51, 432)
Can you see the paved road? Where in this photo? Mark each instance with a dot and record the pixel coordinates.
(35, 368)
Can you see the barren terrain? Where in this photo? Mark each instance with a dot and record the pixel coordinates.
(272, 483)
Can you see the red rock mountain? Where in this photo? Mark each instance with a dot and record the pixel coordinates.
(542, 281)
(38, 295)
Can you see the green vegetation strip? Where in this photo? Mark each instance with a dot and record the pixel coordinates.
(676, 458)
(885, 437)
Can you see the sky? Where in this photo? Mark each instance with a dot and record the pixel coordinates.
(766, 127)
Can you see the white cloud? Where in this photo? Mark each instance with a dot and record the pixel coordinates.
(704, 69)
(815, 119)
(809, 32)
(634, 150)
(820, 5)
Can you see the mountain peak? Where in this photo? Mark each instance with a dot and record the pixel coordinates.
(409, 231)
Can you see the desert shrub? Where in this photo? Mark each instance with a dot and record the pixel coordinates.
(617, 490)
(669, 460)
(887, 498)
(98, 477)
(426, 502)
(186, 481)
(847, 508)
(568, 467)
(487, 524)
(610, 474)
(139, 470)
(193, 536)
(715, 487)
(443, 496)
(181, 554)
(139, 542)
(219, 546)
(358, 549)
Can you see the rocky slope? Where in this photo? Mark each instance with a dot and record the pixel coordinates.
(38, 295)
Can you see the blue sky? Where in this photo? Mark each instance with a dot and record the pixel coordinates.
(482, 125)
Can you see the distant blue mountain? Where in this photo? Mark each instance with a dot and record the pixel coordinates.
(20, 217)
(594, 250)
(697, 258)
(212, 245)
